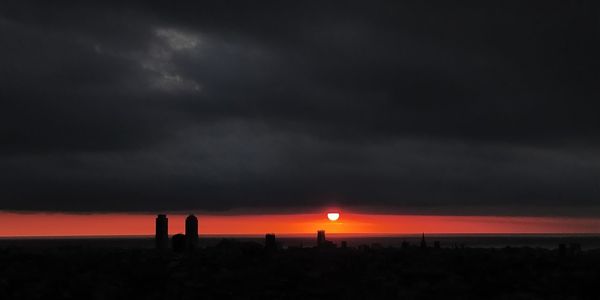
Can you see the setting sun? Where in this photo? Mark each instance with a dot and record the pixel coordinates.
(333, 216)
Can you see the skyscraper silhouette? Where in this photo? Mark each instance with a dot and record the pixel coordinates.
(423, 243)
(270, 242)
(322, 242)
(191, 231)
(321, 238)
(162, 232)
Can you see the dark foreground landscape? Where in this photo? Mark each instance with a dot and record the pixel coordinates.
(241, 269)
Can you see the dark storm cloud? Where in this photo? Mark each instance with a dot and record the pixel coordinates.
(409, 106)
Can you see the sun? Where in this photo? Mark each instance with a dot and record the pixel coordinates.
(333, 216)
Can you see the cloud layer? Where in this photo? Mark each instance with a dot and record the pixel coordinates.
(405, 106)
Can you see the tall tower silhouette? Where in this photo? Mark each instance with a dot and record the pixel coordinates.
(191, 231)
(321, 238)
(162, 232)
(270, 242)
(423, 243)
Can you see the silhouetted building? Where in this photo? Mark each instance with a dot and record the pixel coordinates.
(270, 242)
(344, 244)
(436, 245)
(562, 250)
(191, 231)
(322, 242)
(162, 232)
(423, 243)
(320, 238)
(574, 248)
(376, 246)
(178, 242)
(405, 245)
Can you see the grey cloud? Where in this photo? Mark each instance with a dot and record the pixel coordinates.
(392, 106)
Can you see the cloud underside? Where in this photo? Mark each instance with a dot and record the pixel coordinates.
(388, 106)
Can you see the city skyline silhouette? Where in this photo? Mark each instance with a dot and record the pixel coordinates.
(382, 149)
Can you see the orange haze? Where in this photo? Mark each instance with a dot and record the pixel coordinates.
(62, 224)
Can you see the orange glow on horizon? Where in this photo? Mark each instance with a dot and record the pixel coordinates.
(61, 224)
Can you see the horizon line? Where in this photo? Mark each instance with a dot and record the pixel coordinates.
(307, 234)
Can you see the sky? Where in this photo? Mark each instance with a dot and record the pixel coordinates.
(432, 108)
(303, 224)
